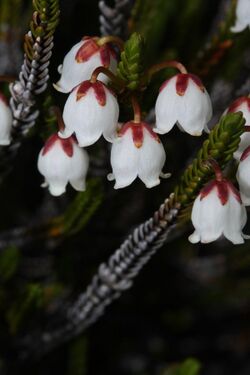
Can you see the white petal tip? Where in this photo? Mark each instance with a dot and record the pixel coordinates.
(159, 131)
(194, 238)
(5, 142)
(110, 177)
(152, 184)
(59, 88)
(59, 69)
(165, 175)
(65, 133)
(237, 28)
(56, 191)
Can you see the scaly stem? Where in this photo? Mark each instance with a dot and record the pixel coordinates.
(111, 39)
(101, 69)
(137, 109)
(166, 64)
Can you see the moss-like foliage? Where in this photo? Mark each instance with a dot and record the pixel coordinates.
(130, 68)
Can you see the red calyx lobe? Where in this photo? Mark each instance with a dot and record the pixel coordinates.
(66, 144)
(99, 90)
(234, 107)
(90, 47)
(224, 188)
(245, 153)
(137, 132)
(182, 81)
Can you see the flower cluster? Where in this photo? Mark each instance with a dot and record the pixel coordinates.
(92, 110)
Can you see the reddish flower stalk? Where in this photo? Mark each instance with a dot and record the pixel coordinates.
(167, 64)
(218, 173)
(111, 39)
(136, 109)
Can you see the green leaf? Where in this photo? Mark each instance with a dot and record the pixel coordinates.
(130, 68)
(189, 367)
(9, 260)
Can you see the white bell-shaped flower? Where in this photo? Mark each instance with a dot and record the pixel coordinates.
(80, 62)
(61, 161)
(242, 16)
(137, 152)
(5, 121)
(243, 176)
(217, 211)
(241, 104)
(183, 100)
(90, 111)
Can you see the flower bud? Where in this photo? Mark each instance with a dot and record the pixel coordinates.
(241, 104)
(183, 100)
(80, 62)
(90, 111)
(137, 152)
(217, 211)
(61, 161)
(5, 121)
(242, 16)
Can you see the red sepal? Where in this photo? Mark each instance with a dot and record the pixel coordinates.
(99, 90)
(197, 81)
(137, 132)
(100, 93)
(237, 103)
(151, 132)
(66, 144)
(224, 188)
(207, 189)
(88, 49)
(223, 191)
(83, 89)
(234, 191)
(182, 83)
(105, 56)
(245, 153)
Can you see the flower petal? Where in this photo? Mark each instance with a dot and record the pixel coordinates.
(124, 160)
(151, 160)
(166, 108)
(208, 217)
(88, 119)
(235, 220)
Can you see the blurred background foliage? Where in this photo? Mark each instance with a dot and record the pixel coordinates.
(190, 301)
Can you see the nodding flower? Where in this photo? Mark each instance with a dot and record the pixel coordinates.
(217, 211)
(82, 60)
(183, 100)
(137, 152)
(90, 111)
(62, 161)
